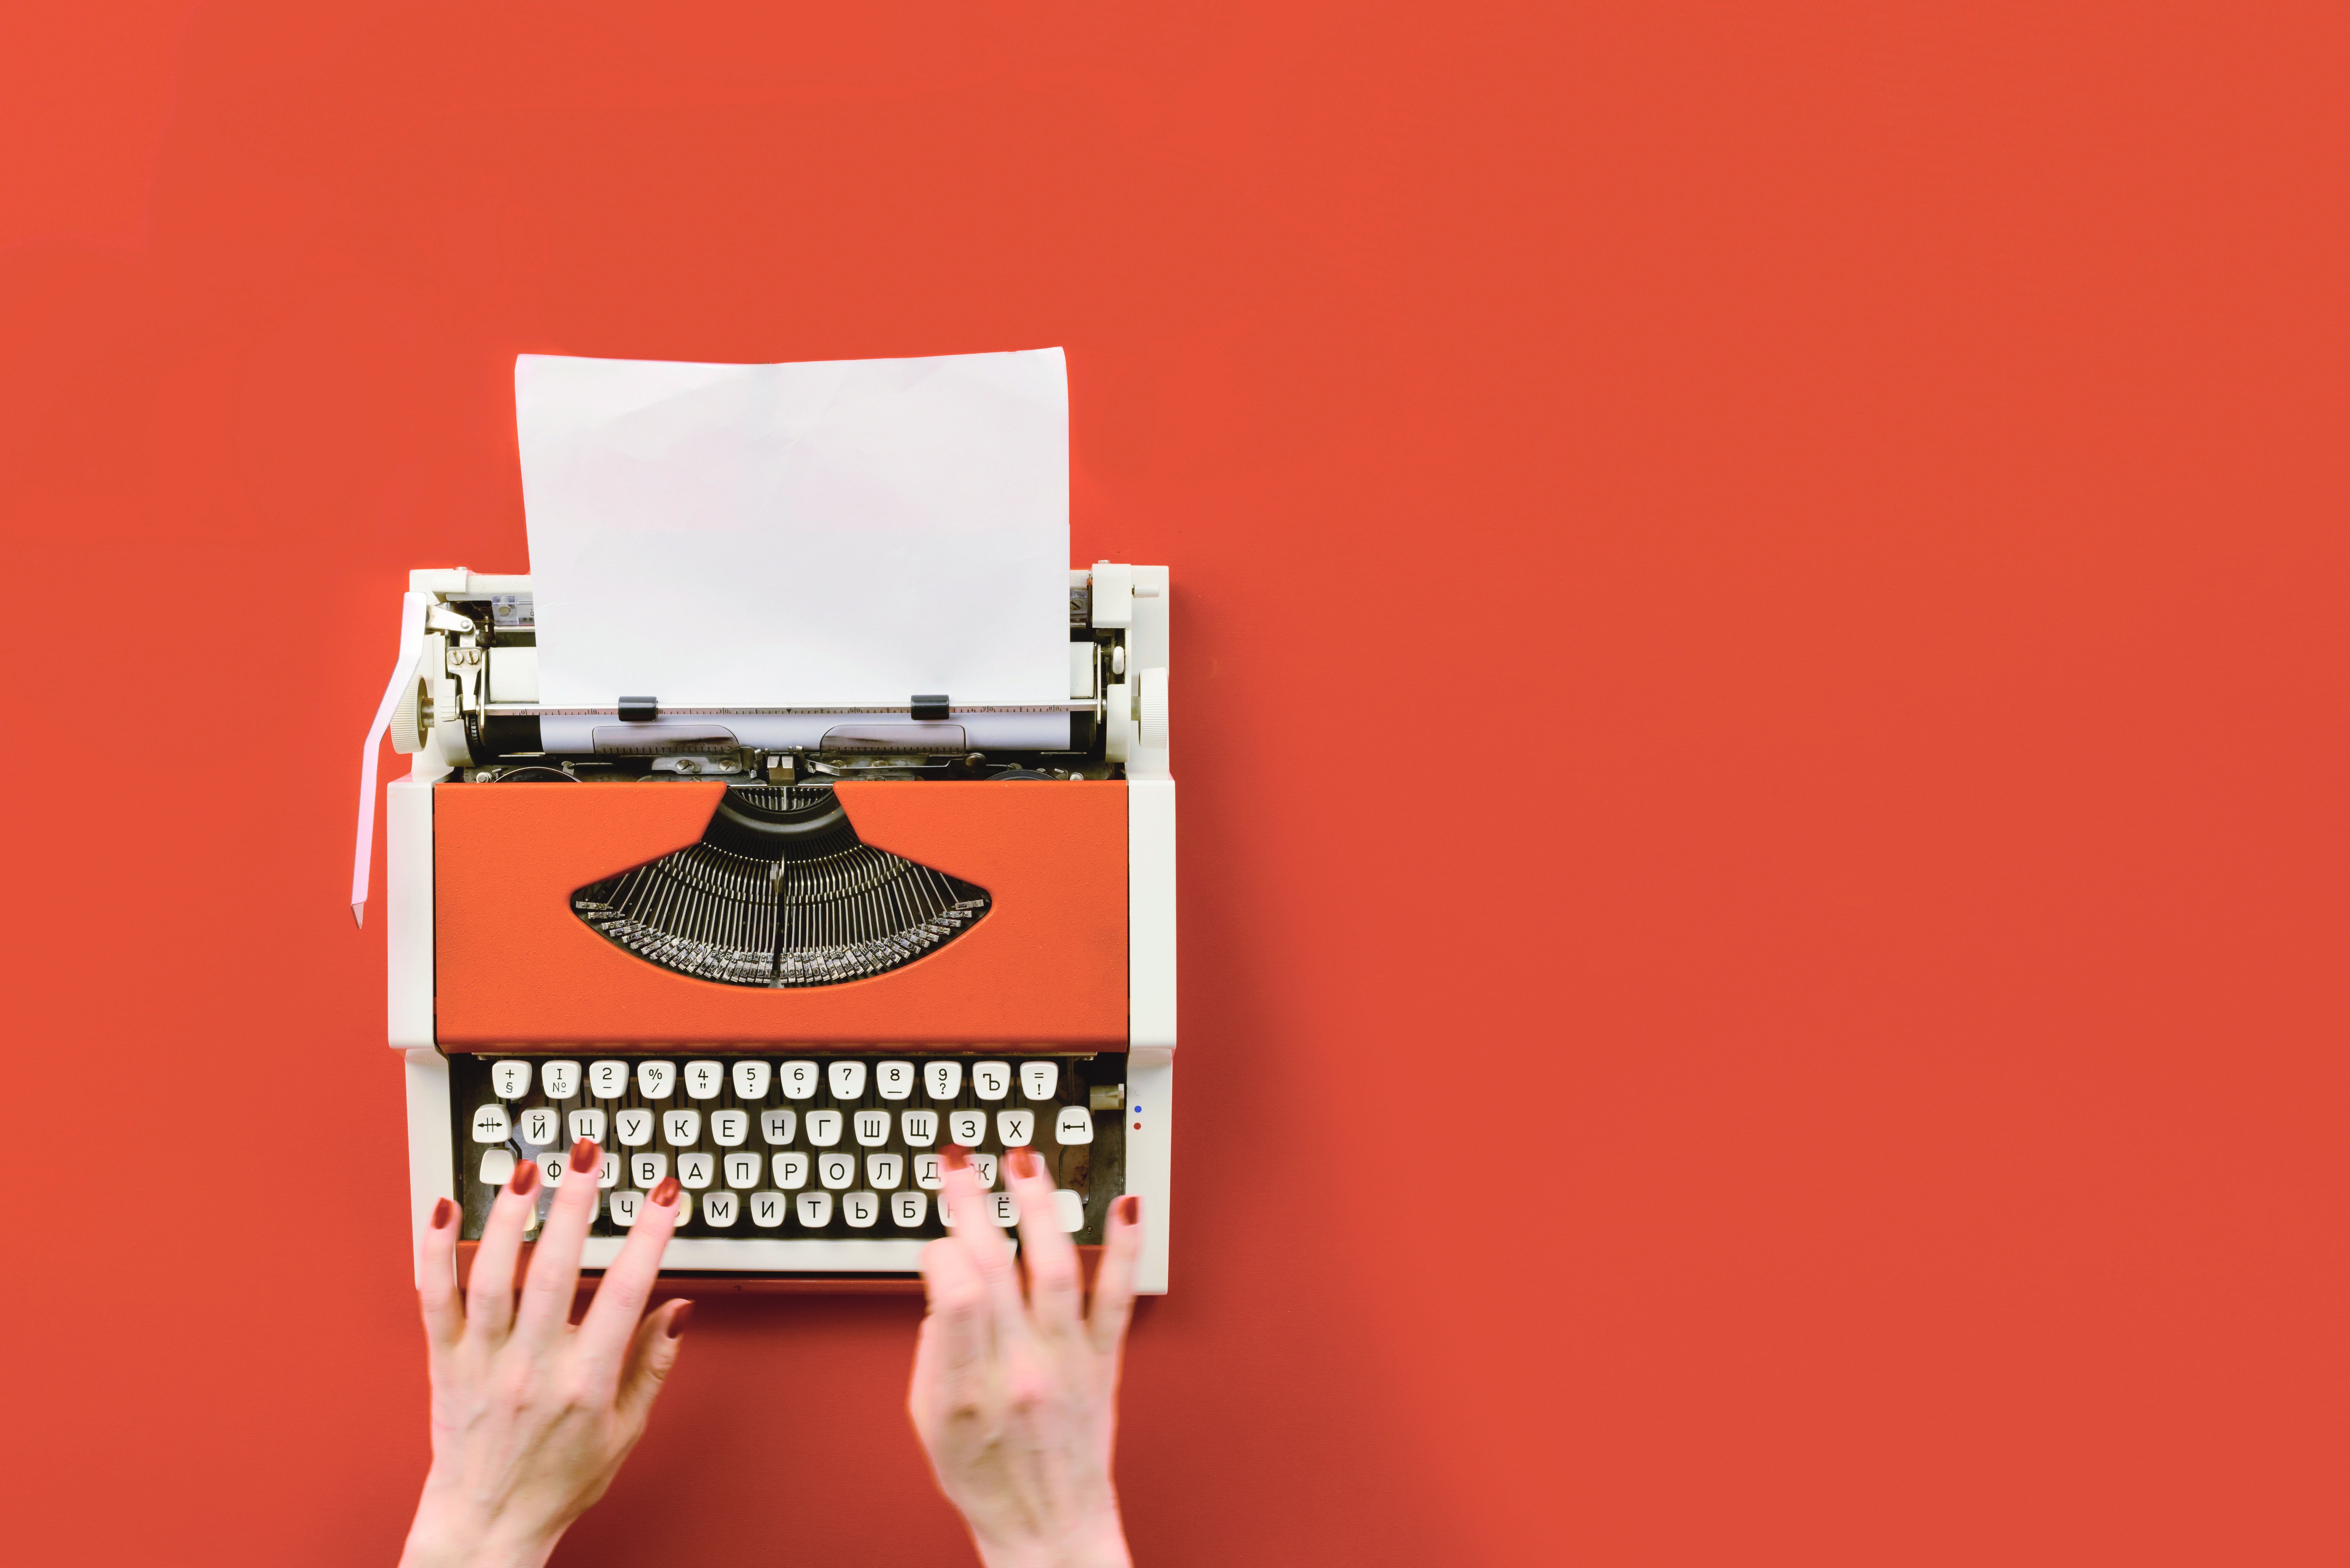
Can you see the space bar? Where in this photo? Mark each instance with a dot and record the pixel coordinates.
(766, 1255)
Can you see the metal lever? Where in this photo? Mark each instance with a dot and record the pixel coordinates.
(411, 643)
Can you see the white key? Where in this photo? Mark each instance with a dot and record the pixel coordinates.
(497, 1167)
(860, 1208)
(1074, 1125)
(909, 1208)
(779, 1127)
(1068, 1208)
(540, 1127)
(928, 1174)
(626, 1206)
(728, 1128)
(588, 1123)
(824, 1129)
(816, 1210)
(920, 1128)
(1038, 1079)
(1005, 1210)
(1015, 1127)
(885, 1171)
(798, 1080)
(943, 1079)
(490, 1124)
(768, 1209)
(751, 1080)
(608, 1080)
(608, 1172)
(704, 1079)
(847, 1080)
(719, 1208)
(684, 1207)
(656, 1079)
(743, 1170)
(680, 1128)
(560, 1079)
(511, 1080)
(695, 1169)
(872, 1129)
(990, 1080)
(633, 1126)
(966, 1127)
(550, 1167)
(646, 1170)
(835, 1169)
(791, 1170)
(894, 1079)
(983, 1166)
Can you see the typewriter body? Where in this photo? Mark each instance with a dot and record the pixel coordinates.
(785, 954)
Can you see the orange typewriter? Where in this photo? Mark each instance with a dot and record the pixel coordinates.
(766, 928)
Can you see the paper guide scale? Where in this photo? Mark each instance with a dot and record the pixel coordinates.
(801, 813)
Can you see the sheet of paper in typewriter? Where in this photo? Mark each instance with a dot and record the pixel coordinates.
(842, 532)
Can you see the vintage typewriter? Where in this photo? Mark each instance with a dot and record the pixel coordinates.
(787, 956)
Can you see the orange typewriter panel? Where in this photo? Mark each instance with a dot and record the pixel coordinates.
(1045, 968)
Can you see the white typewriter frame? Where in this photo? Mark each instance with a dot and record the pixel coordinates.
(1132, 597)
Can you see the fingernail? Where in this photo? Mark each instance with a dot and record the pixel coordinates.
(679, 1319)
(525, 1178)
(666, 1193)
(443, 1212)
(583, 1154)
(952, 1157)
(1130, 1209)
(1023, 1163)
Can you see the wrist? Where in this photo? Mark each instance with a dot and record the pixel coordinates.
(1098, 1542)
(449, 1533)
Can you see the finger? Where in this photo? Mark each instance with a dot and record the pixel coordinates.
(1114, 1282)
(489, 1294)
(652, 1351)
(982, 1241)
(950, 1359)
(436, 1280)
(1054, 1293)
(554, 1277)
(606, 1332)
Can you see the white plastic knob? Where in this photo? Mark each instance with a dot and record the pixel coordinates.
(1151, 710)
(404, 738)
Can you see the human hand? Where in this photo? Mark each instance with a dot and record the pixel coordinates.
(1015, 1399)
(532, 1416)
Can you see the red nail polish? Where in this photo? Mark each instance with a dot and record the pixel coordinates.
(525, 1178)
(443, 1212)
(1130, 1209)
(952, 1157)
(583, 1154)
(1023, 1163)
(666, 1193)
(680, 1318)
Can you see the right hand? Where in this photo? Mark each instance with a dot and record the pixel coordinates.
(1015, 1398)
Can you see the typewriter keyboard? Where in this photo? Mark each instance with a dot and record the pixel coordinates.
(814, 1147)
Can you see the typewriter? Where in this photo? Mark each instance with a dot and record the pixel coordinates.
(785, 955)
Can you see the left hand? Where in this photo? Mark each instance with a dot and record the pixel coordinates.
(532, 1416)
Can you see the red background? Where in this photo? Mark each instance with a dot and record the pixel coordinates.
(1760, 660)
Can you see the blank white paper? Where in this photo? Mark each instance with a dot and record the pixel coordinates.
(842, 532)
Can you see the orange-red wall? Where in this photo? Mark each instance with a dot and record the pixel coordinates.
(1759, 628)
